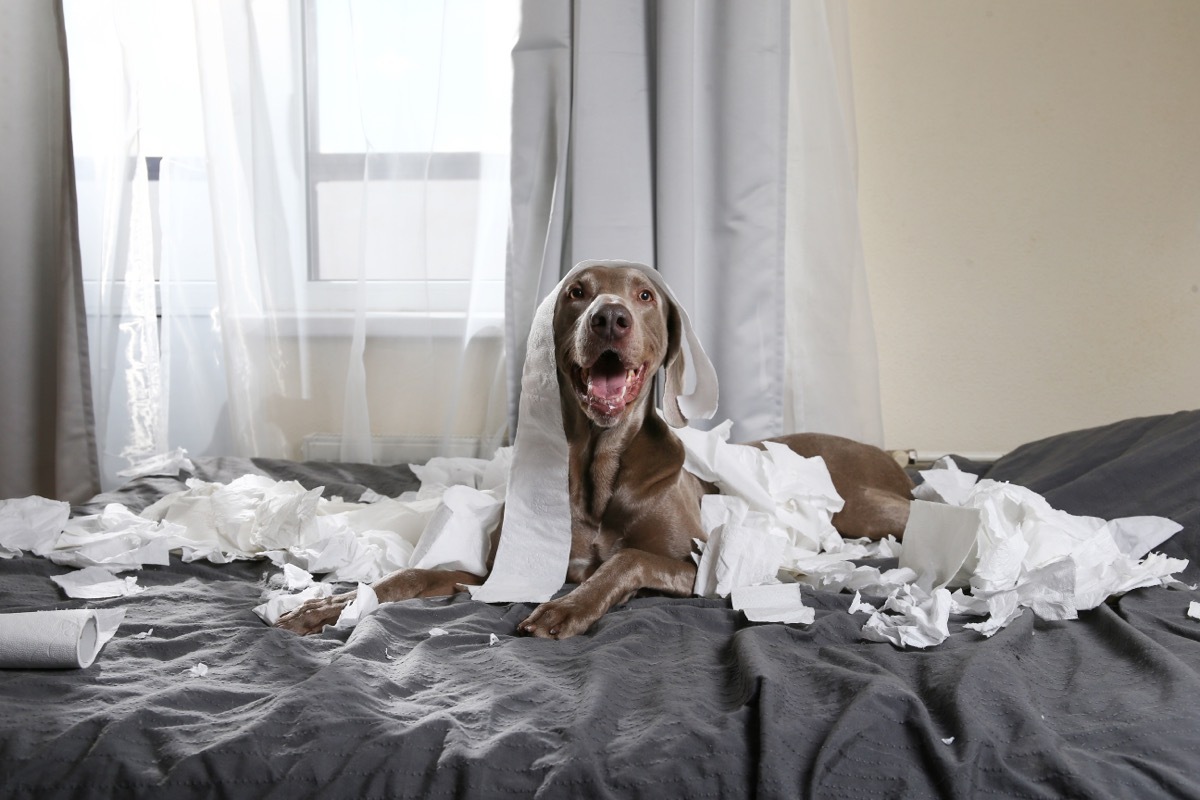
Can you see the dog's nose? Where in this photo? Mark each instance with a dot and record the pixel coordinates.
(611, 321)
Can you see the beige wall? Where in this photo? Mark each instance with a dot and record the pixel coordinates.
(1030, 196)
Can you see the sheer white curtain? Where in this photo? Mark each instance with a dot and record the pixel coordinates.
(711, 140)
(293, 223)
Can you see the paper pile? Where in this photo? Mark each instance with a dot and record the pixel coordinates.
(971, 547)
(1002, 547)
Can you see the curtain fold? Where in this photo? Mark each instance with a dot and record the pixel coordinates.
(294, 225)
(695, 137)
(45, 404)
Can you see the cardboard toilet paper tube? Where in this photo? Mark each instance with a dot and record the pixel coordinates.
(49, 639)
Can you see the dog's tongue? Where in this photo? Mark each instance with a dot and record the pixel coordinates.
(607, 379)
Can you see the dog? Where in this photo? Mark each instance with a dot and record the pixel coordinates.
(634, 508)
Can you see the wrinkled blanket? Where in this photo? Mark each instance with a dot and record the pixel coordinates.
(662, 697)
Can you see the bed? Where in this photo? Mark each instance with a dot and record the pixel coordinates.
(663, 697)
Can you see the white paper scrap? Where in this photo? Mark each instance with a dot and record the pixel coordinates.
(31, 523)
(919, 619)
(198, 670)
(744, 547)
(1194, 610)
(281, 601)
(940, 543)
(94, 583)
(438, 631)
(364, 604)
(779, 602)
(945, 483)
(458, 535)
(493, 640)
(858, 605)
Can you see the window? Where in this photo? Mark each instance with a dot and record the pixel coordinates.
(407, 137)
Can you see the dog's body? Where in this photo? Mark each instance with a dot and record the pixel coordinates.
(634, 509)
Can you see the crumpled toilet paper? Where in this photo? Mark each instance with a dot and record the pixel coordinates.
(94, 583)
(69, 638)
(1014, 551)
(31, 523)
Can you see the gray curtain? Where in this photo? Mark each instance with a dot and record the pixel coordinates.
(657, 132)
(47, 444)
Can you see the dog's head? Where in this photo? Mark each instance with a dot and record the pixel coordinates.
(613, 330)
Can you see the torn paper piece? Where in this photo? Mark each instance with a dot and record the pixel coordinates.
(940, 543)
(945, 483)
(1137, 536)
(744, 547)
(371, 496)
(279, 603)
(858, 605)
(796, 492)
(1193, 610)
(69, 638)
(948, 740)
(493, 640)
(911, 617)
(31, 523)
(116, 539)
(146, 634)
(458, 536)
(161, 464)
(364, 604)
(438, 631)
(295, 579)
(440, 473)
(780, 602)
(198, 670)
(107, 622)
(94, 583)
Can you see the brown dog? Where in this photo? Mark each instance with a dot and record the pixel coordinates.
(634, 509)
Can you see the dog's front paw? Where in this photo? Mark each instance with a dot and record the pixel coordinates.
(314, 615)
(560, 619)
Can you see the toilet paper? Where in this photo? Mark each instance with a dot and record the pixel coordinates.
(67, 639)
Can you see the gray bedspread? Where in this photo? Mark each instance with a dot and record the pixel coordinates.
(662, 698)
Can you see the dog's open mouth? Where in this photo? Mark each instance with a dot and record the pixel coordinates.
(608, 386)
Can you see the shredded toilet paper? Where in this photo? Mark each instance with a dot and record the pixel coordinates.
(993, 552)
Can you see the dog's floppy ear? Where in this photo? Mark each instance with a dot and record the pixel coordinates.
(674, 365)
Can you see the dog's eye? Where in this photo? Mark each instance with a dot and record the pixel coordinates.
(646, 296)
(575, 293)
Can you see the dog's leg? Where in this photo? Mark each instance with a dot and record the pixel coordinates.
(615, 581)
(402, 584)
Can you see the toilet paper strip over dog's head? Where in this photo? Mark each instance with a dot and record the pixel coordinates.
(531, 562)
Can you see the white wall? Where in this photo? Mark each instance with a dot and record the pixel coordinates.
(1029, 176)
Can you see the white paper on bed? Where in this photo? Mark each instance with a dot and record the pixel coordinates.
(58, 639)
(1022, 553)
(531, 560)
(917, 618)
(778, 602)
(31, 523)
(96, 583)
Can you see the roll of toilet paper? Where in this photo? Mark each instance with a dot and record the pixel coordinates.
(68, 638)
